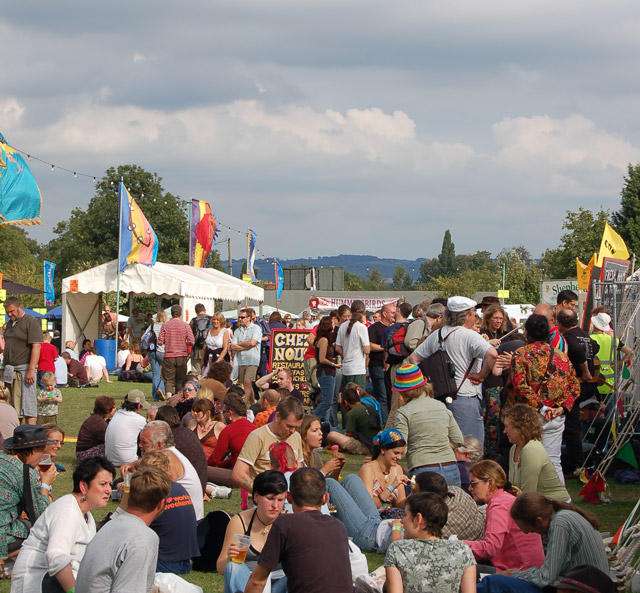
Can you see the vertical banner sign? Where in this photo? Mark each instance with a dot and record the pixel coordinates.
(251, 256)
(279, 280)
(287, 350)
(49, 293)
(138, 240)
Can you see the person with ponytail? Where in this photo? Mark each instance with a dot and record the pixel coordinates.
(352, 343)
(504, 545)
(572, 539)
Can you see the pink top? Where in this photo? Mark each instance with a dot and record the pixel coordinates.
(504, 544)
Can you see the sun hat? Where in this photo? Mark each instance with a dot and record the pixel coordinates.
(488, 300)
(601, 321)
(457, 304)
(585, 578)
(408, 376)
(387, 437)
(137, 397)
(27, 436)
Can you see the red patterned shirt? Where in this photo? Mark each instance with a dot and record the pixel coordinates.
(176, 335)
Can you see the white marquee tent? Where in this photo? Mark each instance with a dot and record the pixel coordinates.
(82, 293)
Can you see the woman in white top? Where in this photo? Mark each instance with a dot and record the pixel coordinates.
(216, 342)
(58, 539)
(155, 354)
(121, 356)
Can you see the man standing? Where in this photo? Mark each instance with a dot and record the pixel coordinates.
(566, 299)
(246, 347)
(473, 358)
(23, 337)
(312, 548)
(352, 343)
(254, 457)
(176, 336)
(123, 555)
(556, 340)
(199, 325)
(135, 325)
(377, 355)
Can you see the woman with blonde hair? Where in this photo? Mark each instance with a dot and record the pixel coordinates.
(216, 342)
(429, 428)
(311, 432)
(156, 358)
(504, 545)
(529, 465)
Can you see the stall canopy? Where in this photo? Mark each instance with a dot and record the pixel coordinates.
(81, 293)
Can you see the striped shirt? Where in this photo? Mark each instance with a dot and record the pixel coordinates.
(571, 541)
(176, 335)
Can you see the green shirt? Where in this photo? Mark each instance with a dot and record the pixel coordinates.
(358, 422)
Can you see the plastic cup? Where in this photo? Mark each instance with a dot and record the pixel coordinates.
(127, 481)
(45, 462)
(242, 542)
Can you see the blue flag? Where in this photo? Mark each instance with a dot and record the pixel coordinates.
(252, 254)
(280, 280)
(49, 292)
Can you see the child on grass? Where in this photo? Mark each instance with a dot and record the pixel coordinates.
(49, 399)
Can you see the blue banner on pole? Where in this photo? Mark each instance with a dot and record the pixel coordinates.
(49, 292)
(280, 280)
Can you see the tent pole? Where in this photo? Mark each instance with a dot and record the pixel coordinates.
(118, 263)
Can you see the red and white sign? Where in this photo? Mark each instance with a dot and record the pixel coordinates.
(329, 302)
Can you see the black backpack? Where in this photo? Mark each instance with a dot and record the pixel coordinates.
(199, 326)
(441, 372)
(394, 346)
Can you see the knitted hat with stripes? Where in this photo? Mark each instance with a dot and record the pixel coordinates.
(408, 376)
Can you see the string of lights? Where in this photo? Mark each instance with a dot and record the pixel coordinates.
(94, 179)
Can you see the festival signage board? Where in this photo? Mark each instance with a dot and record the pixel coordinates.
(329, 303)
(549, 289)
(613, 270)
(287, 350)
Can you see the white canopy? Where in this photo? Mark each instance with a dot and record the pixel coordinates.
(81, 293)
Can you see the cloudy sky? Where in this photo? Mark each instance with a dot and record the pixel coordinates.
(334, 126)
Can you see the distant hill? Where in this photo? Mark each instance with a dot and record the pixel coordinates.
(357, 264)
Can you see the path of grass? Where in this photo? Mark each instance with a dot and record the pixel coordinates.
(78, 404)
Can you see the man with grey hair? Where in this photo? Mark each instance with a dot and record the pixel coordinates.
(245, 345)
(158, 436)
(473, 358)
(176, 337)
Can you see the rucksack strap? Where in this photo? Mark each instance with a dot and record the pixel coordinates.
(466, 374)
(27, 497)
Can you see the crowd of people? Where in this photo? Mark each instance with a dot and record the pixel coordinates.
(455, 482)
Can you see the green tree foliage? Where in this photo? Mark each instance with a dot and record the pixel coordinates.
(20, 261)
(522, 275)
(401, 279)
(627, 219)
(89, 238)
(582, 240)
(447, 257)
(374, 280)
(352, 281)
(467, 283)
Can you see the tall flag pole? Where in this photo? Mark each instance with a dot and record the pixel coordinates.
(138, 240)
(251, 253)
(203, 233)
(49, 292)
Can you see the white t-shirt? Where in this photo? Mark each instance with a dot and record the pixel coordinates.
(121, 357)
(121, 438)
(462, 345)
(191, 483)
(353, 358)
(95, 363)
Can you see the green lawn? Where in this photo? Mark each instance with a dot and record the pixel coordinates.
(78, 403)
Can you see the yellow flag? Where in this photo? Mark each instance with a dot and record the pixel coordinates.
(612, 246)
(584, 272)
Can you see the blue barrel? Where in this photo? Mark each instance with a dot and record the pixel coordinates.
(107, 348)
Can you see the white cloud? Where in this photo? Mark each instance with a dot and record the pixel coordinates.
(138, 57)
(11, 112)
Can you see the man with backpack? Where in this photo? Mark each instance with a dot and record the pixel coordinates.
(472, 358)
(199, 326)
(377, 355)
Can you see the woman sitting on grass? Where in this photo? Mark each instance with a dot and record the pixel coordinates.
(424, 563)
(311, 432)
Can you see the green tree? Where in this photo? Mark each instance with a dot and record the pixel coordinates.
(352, 281)
(522, 275)
(401, 279)
(89, 238)
(374, 280)
(467, 283)
(20, 261)
(627, 219)
(429, 269)
(447, 257)
(582, 240)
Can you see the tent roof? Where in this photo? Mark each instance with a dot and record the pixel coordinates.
(165, 280)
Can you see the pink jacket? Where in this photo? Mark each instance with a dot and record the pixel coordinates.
(504, 544)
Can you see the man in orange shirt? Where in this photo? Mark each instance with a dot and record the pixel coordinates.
(268, 401)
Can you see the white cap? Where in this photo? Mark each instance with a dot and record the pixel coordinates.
(601, 321)
(456, 304)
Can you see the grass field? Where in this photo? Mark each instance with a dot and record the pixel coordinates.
(77, 406)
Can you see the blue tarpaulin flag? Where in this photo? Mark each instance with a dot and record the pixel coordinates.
(138, 240)
(49, 293)
(20, 198)
(251, 257)
(280, 280)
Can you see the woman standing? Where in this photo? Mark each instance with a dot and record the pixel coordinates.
(91, 434)
(572, 539)
(327, 410)
(422, 561)
(427, 425)
(269, 493)
(529, 465)
(311, 432)
(208, 428)
(156, 358)
(216, 343)
(22, 488)
(494, 325)
(58, 539)
(503, 544)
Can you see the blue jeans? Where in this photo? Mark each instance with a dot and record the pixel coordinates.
(236, 577)
(155, 359)
(450, 473)
(498, 583)
(376, 374)
(356, 509)
(182, 567)
(468, 414)
(325, 412)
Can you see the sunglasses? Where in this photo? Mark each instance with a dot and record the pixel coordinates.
(472, 483)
